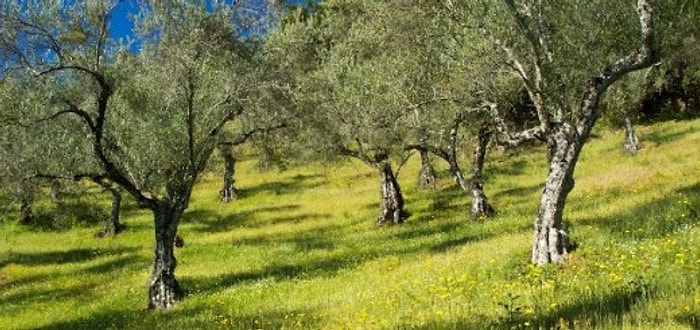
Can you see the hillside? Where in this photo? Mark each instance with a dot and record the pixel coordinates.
(299, 250)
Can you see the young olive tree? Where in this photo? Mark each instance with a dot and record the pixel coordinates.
(149, 121)
(449, 116)
(349, 88)
(543, 45)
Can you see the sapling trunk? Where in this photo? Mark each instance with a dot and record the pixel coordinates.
(228, 192)
(480, 204)
(113, 225)
(427, 172)
(392, 203)
(26, 212)
(631, 139)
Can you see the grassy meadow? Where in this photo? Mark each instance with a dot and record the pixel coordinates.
(299, 250)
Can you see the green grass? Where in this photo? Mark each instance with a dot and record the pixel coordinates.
(299, 250)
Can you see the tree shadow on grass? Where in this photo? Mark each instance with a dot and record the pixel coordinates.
(691, 319)
(131, 261)
(653, 219)
(214, 223)
(14, 303)
(276, 272)
(518, 191)
(329, 264)
(61, 257)
(667, 136)
(593, 312)
(457, 242)
(192, 318)
(452, 197)
(312, 239)
(514, 167)
(120, 263)
(291, 185)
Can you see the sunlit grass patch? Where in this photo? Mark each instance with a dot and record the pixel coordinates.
(299, 250)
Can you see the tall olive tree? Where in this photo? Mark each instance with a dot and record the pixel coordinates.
(150, 121)
(543, 46)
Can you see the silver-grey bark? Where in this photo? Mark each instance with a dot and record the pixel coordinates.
(480, 204)
(632, 144)
(565, 141)
(427, 176)
(564, 130)
(392, 204)
(228, 192)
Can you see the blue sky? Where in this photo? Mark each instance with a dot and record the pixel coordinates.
(121, 26)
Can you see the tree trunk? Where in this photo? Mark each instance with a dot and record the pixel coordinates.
(457, 174)
(163, 289)
(26, 211)
(228, 192)
(392, 211)
(631, 140)
(480, 204)
(451, 158)
(565, 139)
(55, 191)
(551, 241)
(113, 225)
(427, 172)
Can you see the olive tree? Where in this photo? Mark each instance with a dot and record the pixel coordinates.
(149, 121)
(543, 45)
(348, 88)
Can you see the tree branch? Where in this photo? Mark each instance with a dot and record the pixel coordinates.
(513, 139)
(72, 109)
(248, 134)
(642, 57)
(75, 177)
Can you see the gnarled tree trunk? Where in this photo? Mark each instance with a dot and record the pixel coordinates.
(228, 192)
(480, 204)
(427, 176)
(164, 289)
(392, 211)
(567, 131)
(551, 241)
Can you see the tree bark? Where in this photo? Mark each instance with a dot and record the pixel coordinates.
(55, 189)
(565, 131)
(228, 192)
(551, 241)
(26, 211)
(631, 139)
(480, 204)
(164, 289)
(427, 172)
(392, 204)
(113, 225)
(458, 175)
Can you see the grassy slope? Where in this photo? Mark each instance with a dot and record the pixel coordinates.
(299, 251)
